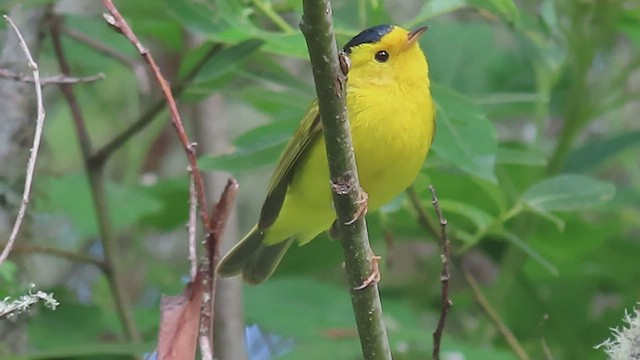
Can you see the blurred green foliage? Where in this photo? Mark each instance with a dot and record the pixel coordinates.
(535, 162)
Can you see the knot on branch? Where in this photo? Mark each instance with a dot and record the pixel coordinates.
(343, 184)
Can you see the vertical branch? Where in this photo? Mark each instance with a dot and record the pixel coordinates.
(445, 302)
(191, 228)
(31, 165)
(317, 27)
(98, 191)
(219, 217)
(228, 320)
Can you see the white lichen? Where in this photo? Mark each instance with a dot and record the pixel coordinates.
(10, 308)
(625, 342)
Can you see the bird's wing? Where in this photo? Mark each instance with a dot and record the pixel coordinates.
(308, 132)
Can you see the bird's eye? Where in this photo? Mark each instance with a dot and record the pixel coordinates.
(382, 56)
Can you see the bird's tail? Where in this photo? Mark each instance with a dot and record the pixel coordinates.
(255, 260)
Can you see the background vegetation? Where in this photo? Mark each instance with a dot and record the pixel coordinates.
(536, 163)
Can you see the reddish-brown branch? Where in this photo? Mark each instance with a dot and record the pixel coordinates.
(219, 217)
(116, 20)
(445, 302)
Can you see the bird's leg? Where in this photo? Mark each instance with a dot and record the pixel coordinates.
(374, 277)
(363, 203)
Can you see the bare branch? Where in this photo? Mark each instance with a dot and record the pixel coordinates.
(329, 74)
(55, 79)
(445, 302)
(31, 164)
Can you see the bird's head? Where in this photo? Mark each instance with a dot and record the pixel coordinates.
(386, 54)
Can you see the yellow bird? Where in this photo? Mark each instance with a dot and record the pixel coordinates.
(391, 115)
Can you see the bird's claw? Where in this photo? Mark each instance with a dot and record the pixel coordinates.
(374, 277)
(363, 204)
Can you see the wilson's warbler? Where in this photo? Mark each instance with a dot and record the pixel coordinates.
(391, 115)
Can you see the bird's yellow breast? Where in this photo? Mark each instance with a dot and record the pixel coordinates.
(391, 132)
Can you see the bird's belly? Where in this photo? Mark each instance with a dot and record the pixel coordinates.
(390, 148)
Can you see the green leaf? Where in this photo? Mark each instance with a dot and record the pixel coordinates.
(258, 147)
(530, 251)
(505, 9)
(567, 193)
(520, 157)
(464, 136)
(434, 8)
(596, 151)
(70, 195)
(227, 60)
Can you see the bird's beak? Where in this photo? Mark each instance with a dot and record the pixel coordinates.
(415, 35)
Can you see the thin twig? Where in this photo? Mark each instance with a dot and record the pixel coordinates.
(116, 20)
(98, 191)
(480, 298)
(137, 67)
(219, 217)
(445, 302)
(494, 317)
(59, 253)
(47, 80)
(31, 164)
(423, 219)
(191, 228)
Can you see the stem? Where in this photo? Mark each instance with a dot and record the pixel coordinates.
(330, 82)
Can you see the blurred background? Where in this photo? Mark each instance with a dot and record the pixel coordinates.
(536, 164)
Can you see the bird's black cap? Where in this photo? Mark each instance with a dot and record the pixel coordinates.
(369, 35)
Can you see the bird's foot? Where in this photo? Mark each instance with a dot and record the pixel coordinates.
(363, 204)
(374, 277)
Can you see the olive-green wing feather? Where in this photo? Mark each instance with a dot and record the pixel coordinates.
(308, 132)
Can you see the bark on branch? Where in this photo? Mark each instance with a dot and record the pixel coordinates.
(330, 81)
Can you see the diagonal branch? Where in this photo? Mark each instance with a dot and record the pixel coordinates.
(330, 80)
(31, 165)
(116, 20)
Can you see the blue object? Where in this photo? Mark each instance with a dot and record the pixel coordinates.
(262, 345)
